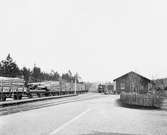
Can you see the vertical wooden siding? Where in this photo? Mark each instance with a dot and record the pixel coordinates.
(133, 83)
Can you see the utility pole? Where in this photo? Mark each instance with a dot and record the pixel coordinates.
(75, 92)
(60, 83)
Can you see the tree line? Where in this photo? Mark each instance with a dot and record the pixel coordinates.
(9, 68)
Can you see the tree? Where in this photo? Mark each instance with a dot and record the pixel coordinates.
(1, 70)
(56, 76)
(9, 68)
(66, 77)
(70, 73)
(36, 74)
(26, 73)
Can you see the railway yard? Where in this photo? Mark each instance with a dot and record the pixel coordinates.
(25, 106)
(14, 88)
(85, 114)
(83, 67)
(61, 108)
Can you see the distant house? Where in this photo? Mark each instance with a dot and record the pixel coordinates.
(132, 82)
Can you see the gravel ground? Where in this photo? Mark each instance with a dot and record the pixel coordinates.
(96, 116)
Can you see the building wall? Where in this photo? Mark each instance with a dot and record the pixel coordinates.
(132, 83)
(122, 84)
(138, 84)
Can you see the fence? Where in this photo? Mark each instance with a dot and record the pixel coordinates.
(149, 100)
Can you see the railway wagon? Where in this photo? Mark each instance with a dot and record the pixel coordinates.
(14, 88)
(11, 88)
(81, 88)
(60, 88)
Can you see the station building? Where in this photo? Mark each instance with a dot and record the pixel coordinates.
(132, 82)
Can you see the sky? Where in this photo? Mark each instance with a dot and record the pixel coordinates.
(99, 39)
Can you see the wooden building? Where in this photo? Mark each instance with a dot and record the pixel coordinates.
(132, 82)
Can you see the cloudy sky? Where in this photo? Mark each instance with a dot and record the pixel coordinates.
(99, 39)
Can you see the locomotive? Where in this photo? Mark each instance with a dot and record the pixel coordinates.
(14, 88)
(106, 88)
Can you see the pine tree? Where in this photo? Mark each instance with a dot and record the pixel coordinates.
(36, 74)
(26, 73)
(9, 68)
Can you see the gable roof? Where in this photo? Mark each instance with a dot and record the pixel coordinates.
(132, 73)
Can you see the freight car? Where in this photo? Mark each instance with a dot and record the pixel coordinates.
(106, 88)
(11, 88)
(14, 88)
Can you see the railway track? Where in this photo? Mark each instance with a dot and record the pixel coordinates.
(41, 104)
(17, 102)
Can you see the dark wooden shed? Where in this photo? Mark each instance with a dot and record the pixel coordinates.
(132, 82)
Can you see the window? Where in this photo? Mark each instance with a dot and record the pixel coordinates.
(122, 86)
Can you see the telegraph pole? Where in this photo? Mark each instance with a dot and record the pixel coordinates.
(60, 83)
(75, 92)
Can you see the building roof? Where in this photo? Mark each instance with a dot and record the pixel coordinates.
(132, 73)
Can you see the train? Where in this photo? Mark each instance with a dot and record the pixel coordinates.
(106, 88)
(15, 88)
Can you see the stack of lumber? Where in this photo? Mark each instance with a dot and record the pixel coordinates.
(81, 87)
(9, 80)
(50, 85)
(11, 84)
(58, 86)
(164, 103)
